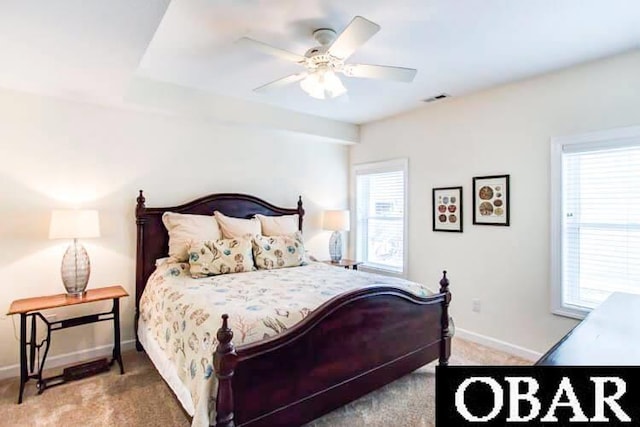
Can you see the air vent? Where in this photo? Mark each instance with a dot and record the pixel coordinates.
(437, 97)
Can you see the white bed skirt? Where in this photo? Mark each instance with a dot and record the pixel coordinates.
(165, 367)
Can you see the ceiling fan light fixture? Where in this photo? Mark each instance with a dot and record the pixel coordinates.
(311, 84)
(323, 63)
(323, 84)
(333, 84)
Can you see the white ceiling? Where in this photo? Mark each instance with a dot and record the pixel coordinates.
(93, 48)
(75, 48)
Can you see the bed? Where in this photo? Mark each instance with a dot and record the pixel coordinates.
(350, 345)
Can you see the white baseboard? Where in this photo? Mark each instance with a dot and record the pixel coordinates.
(105, 350)
(516, 350)
(69, 358)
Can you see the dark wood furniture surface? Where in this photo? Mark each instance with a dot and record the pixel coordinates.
(346, 348)
(32, 307)
(346, 263)
(607, 336)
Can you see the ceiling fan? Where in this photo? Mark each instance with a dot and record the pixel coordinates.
(325, 61)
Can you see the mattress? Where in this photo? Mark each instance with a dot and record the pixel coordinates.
(179, 317)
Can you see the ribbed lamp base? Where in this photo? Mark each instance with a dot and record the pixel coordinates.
(75, 269)
(335, 246)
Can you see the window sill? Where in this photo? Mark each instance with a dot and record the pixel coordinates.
(377, 270)
(573, 313)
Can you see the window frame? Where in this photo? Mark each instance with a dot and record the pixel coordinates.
(605, 139)
(394, 165)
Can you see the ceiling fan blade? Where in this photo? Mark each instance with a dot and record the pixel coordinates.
(355, 35)
(270, 50)
(384, 72)
(280, 83)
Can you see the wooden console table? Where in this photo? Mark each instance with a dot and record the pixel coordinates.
(607, 336)
(31, 307)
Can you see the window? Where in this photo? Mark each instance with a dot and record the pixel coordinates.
(595, 242)
(381, 215)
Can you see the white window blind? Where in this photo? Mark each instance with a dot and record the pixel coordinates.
(599, 222)
(381, 215)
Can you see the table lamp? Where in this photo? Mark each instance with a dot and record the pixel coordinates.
(336, 221)
(75, 224)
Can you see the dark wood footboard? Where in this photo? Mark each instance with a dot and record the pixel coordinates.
(348, 347)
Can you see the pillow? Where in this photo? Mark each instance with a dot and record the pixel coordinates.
(184, 229)
(237, 227)
(162, 261)
(222, 256)
(272, 252)
(278, 225)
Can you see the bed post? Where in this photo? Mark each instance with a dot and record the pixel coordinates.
(224, 362)
(300, 213)
(445, 341)
(140, 221)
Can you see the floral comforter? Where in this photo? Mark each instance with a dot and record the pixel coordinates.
(182, 314)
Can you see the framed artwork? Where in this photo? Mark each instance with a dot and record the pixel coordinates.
(447, 209)
(491, 200)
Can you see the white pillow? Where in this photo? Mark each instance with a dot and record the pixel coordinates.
(237, 227)
(278, 225)
(184, 229)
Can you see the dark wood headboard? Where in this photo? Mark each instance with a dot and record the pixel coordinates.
(153, 240)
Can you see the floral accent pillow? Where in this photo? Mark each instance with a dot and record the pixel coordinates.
(272, 252)
(213, 257)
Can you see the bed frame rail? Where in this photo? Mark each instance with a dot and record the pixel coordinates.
(350, 346)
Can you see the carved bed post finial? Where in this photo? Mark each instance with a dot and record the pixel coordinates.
(140, 206)
(225, 335)
(445, 341)
(224, 362)
(444, 282)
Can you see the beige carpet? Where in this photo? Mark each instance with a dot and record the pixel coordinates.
(141, 398)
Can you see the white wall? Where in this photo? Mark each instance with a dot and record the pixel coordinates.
(502, 130)
(58, 154)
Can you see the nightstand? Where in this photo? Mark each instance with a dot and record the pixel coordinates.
(32, 307)
(346, 263)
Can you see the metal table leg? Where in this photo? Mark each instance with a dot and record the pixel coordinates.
(117, 355)
(24, 374)
(28, 361)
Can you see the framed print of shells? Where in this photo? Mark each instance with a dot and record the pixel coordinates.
(447, 209)
(491, 200)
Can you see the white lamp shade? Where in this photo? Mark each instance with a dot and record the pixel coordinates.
(74, 224)
(336, 220)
